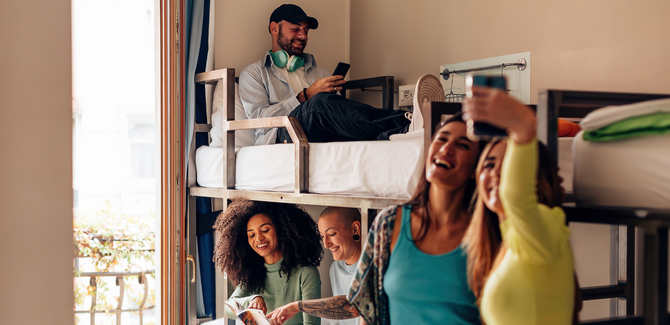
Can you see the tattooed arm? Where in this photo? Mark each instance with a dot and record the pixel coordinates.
(332, 308)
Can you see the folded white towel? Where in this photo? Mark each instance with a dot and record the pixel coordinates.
(607, 115)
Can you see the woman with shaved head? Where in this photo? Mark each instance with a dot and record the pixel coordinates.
(340, 229)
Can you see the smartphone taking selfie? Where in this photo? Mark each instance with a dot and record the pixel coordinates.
(479, 130)
(341, 69)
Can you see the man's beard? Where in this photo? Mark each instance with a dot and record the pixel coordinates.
(287, 45)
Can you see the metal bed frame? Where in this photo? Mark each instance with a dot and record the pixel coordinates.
(654, 223)
(368, 205)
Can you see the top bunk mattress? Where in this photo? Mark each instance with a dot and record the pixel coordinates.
(360, 168)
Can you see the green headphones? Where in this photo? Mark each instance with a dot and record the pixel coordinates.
(282, 59)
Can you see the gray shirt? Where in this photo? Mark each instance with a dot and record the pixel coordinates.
(264, 92)
(341, 276)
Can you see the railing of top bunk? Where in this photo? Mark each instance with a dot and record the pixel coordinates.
(300, 195)
(654, 223)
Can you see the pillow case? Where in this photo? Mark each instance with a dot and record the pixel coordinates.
(243, 138)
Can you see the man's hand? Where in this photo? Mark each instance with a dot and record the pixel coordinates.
(258, 303)
(325, 85)
(283, 313)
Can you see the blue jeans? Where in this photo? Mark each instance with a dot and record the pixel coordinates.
(328, 117)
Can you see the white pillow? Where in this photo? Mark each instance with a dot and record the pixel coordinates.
(607, 115)
(243, 138)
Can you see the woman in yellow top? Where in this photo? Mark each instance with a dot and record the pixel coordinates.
(520, 263)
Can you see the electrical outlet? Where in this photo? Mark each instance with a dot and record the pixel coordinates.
(405, 95)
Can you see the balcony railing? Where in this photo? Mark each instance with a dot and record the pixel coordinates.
(121, 283)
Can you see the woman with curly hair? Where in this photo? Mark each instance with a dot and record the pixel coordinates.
(270, 251)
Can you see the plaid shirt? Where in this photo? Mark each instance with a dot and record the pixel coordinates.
(367, 290)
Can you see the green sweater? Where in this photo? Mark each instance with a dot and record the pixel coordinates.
(304, 283)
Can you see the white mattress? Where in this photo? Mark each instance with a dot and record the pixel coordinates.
(628, 173)
(361, 168)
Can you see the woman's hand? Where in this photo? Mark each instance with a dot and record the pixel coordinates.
(326, 85)
(258, 303)
(283, 313)
(494, 106)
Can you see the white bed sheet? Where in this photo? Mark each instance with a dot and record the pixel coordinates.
(627, 173)
(361, 168)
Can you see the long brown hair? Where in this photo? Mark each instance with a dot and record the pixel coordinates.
(483, 241)
(420, 197)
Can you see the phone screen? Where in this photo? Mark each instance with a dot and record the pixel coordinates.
(479, 130)
(341, 69)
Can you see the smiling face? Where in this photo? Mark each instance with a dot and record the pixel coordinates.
(292, 38)
(339, 237)
(451, 157)
(262, 236)
(489, 177)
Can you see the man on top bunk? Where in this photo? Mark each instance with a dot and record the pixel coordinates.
(287, 81)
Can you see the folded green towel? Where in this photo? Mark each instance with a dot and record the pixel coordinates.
(652, 124)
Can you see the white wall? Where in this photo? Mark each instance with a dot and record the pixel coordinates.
(36, 242)
(242, 37)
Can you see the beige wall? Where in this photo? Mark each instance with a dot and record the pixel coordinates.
(242, 37)
(36, 163)
(620, 45)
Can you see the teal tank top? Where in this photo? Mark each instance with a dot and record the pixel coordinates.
(427, 289)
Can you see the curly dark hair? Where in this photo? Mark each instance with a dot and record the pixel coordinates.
(297, 234)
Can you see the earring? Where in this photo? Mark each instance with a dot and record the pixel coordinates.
(357, 238)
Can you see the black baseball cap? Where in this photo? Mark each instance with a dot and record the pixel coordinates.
(293, 14)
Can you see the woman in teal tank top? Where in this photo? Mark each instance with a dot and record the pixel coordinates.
(412, 270)
(440, 292)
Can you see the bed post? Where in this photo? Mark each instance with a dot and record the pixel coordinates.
(229, 141)
(365, 222)
(221, 281)
(301, 154)
(548, 102)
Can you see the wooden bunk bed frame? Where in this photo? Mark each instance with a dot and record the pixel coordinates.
(368, 206)
(654, 223)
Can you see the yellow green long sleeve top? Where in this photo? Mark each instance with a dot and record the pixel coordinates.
(534, 283)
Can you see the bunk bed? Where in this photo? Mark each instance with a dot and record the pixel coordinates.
(298, 174)
(551, 105)
(602, 206)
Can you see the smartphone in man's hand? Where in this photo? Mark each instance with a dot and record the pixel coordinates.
(478, 130)
(341, 69)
